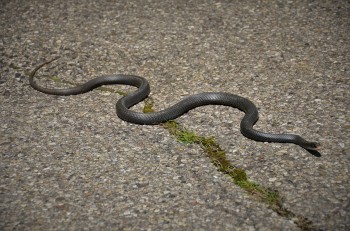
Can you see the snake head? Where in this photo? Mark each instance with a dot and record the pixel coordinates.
(312, 148)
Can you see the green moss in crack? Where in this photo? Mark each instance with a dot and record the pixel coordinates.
(218, 158)
(111, 90)
(57, 79)
(148, 107)
(237, 175)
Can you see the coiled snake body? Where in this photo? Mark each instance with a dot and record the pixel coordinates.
(188, 103)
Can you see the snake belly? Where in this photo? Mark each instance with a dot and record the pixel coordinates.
(193, 101)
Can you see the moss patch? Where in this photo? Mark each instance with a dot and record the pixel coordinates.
(218, 157)
(148, 107)
(111, 90)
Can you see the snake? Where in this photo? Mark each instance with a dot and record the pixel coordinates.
(124, 104)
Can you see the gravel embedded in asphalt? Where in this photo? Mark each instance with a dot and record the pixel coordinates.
(71, 163)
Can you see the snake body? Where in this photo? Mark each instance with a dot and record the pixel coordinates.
(178, 109)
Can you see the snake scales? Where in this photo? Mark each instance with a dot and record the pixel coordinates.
(180, 108)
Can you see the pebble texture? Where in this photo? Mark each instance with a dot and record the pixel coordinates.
(69, 162)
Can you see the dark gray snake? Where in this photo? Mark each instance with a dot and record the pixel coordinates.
(188, 103)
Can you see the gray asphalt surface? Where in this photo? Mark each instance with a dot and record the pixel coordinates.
(69, 163)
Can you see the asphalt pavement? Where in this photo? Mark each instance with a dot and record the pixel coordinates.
(69, 163)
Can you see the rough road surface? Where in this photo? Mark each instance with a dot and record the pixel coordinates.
(69, 163)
